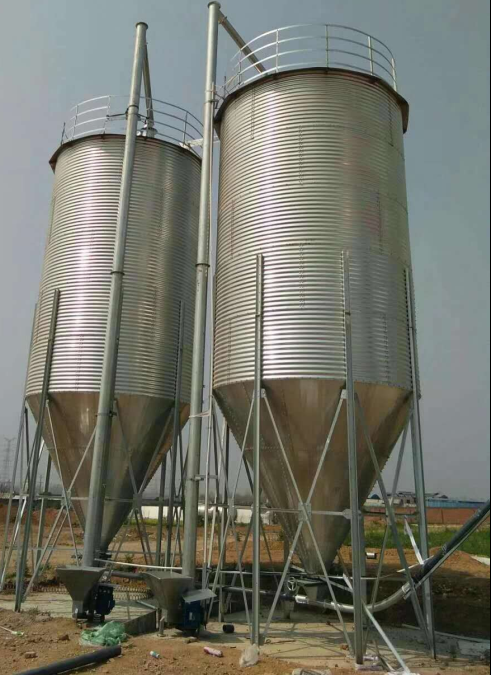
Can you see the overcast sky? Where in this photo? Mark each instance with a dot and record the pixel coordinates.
(56, 53)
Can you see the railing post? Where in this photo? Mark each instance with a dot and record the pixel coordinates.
(327, 45)
(370, 54)
(277, 51)
(394, 73)
(108, 109)
(75, 122)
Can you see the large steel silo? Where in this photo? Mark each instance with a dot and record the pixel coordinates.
(159, 275)
(312, 165)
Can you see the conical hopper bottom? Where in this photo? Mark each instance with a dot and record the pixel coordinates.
(73, 417)
(79, 581)
(303, 410)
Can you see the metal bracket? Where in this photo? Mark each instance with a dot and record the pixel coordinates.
(66, 501)
(304, 512)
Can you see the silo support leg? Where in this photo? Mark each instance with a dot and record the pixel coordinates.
(18, 452)
(418, 459)
(423, 523)
(160, 522)
(42, 516)
(357, 550)
(36, 451)
(393, 524)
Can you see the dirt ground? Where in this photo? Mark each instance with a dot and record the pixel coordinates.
(46, 640)
(462, 606)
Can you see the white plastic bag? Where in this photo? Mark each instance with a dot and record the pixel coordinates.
(250, 657)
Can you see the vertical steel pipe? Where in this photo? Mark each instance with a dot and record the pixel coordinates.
(202, 273)
(175, 440)
(95, 507)
(38, 438)
(148, 93)
(240, 42)
(418, 462)
(256, 556)
(356, 537)
(160, 522)
(18, 450)
(370, 54)
(224, 521)
(394, 73)
(42, 515)
(327, 45)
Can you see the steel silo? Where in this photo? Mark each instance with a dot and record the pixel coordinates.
(312, 166)
(159, 276)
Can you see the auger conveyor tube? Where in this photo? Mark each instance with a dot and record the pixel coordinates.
(423, 574)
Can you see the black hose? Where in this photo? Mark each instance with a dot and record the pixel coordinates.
(426, 570)
(76, 662)
(459, 538)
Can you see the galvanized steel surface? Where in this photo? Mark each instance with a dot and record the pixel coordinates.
(159, 273)
(312, 164)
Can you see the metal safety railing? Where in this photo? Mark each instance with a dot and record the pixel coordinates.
(107, 114)
(310, 46)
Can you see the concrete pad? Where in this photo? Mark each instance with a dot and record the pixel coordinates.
(60, 605)
(317, 641)
(474, 650)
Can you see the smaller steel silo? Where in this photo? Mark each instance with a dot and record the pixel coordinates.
(161, 249)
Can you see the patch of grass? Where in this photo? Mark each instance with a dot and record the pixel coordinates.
(479, 543)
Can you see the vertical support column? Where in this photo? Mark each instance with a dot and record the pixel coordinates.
(18, 450)
(147, 82)
(22, 559)
(256, 514)
(327, 45)
(98, 477)
(356, 538)
(42, 516)
(175, 440)
(202, 270)
(418, 461)
(160, 522)
(224, 521)
(370, 54)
